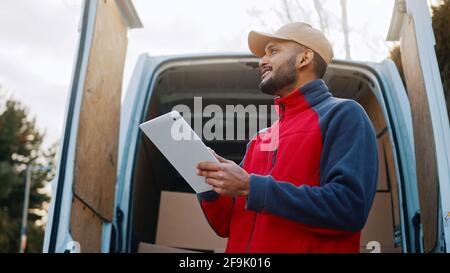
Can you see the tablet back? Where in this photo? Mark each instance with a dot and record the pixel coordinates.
(182, 147)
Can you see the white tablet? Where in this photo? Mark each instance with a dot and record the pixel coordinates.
(182, 147)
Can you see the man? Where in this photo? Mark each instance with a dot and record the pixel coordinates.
(313, 190)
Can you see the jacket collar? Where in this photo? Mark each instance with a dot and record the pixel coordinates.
(303, 98)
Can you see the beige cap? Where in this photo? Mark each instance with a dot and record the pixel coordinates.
(299, 32)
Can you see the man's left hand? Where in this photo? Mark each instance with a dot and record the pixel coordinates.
(226, 177)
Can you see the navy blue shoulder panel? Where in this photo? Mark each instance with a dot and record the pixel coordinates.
(349, 150)
(348, 169)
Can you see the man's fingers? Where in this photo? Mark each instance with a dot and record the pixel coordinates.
(209, 166)
(202, 173)
(214, 182)
(218, 190)
(211, 174)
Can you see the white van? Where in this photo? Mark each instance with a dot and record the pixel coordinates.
(114, 192)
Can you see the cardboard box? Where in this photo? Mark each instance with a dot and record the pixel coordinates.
(182, 224)
(152, 248)
(380, 226)
(382, 250)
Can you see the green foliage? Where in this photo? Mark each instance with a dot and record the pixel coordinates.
(441, 29)
(20, 144)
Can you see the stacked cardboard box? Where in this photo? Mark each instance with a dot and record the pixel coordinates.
(182, 226)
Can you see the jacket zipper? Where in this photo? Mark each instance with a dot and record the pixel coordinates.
(282, 111)
(274, 158)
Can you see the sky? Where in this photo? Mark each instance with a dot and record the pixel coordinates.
(38, 40)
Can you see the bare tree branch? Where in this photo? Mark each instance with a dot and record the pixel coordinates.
(258, 14)
(322, 16)
(306, 14)
(345, 28)
(287, 11)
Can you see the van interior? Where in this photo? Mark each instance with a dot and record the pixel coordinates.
(156, 183)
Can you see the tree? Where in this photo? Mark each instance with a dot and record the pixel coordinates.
(441, 26)
(288, 11)
(20, 144)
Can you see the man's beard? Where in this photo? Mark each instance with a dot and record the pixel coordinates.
(286, 75)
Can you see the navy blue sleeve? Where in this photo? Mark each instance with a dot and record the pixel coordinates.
(348, 178)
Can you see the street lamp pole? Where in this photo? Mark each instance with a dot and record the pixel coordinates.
(26, 204)
(23, 229)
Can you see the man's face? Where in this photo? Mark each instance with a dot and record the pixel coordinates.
(278, 66)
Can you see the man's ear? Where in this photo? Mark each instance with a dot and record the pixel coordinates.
(304, 59)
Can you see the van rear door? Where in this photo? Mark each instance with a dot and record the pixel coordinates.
(411, 25)
(82, 207)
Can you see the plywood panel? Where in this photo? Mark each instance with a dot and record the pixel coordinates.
(379, 226)
(382, 184)
(423, 136)
(85, 227)
(373, 110)
(97, 140)
(391, 177)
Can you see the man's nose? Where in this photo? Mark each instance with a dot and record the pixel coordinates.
(263, 61)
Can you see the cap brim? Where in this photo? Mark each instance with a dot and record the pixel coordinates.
(257, 41)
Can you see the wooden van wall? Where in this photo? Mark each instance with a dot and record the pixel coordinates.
(98, 132)
(426, 165)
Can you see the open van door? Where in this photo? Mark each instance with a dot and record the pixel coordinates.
(82, 206)
(411, 25)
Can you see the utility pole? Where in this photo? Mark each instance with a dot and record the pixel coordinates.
(23, 229)
(26, 204)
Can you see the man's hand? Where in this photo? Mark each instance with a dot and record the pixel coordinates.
(226, 177)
